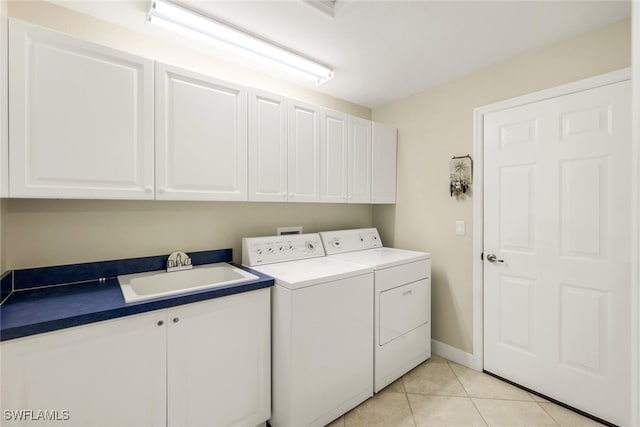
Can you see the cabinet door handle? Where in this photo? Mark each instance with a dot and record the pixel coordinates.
(175, 319)
(160, 322)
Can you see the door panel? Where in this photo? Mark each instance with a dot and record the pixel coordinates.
(267, 147)
(105, 374)
(201, 137)
(219, 361)
(303, 153)
(384, 150)
(359, 156)
(333, 157)
(557, 214)
(81, 119)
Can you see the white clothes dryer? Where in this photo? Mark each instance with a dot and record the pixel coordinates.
(322, 329)
(402, 299)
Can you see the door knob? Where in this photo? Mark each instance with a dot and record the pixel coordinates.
(493, 258)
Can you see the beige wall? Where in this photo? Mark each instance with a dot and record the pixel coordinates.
(53, 232)
(50, 232)
(437, 124)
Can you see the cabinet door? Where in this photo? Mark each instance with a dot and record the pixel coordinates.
(81, 118)
(359, 160)
(383, 164)
(106, 374)
(4, 102)
(333, 157)
(267, 147)
(219, 362)
(304, 153)
(201, 137)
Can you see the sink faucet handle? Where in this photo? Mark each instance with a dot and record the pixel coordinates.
(178, 260)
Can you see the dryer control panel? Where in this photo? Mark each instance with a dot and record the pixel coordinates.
(337, 242)
(272, 249)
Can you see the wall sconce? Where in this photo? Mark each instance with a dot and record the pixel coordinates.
(460, 174)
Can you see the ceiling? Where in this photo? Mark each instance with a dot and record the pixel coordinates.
(383, 50)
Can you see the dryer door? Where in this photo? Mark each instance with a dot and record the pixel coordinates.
(403, 309)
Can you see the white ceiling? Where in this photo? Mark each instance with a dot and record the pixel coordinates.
(384, 50)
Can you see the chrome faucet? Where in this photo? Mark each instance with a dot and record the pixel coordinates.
(178, 261)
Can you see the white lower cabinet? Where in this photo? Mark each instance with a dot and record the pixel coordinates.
(202, 364)
(106, 374)
(219, 359)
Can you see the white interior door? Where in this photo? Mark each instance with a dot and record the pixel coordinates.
(556, 217)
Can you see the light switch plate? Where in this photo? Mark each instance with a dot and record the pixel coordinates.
(459, 228)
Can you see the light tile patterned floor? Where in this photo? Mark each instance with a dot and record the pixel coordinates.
(441, 393)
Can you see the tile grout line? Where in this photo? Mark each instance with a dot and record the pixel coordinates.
(406, 396)
(468, 397)
(458, 379)
(479, 412)
(549, 414)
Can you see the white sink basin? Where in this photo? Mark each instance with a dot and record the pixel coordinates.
(154, 284)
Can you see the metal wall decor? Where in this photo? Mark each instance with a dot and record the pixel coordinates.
(460, 174)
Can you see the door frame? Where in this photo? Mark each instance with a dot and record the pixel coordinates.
(635, 211)
(478, 209)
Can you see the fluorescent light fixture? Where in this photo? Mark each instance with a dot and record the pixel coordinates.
(176, 18)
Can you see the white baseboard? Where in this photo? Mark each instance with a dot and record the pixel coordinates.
(454, 354)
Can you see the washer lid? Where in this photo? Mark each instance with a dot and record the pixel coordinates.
(381, 258)
(309, 272)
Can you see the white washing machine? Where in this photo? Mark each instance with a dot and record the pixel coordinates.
(322, 328)
(402, 312)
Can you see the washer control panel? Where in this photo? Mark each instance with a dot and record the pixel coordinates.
(336, 242)
(272, 249)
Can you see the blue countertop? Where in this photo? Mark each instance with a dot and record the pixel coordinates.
(45, 309)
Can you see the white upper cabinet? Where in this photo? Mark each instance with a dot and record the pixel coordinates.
(267, 147)
(383, 164)
(304, 152)
(83, 121)
(333, 157)
(359, 160)
(201, 137)
(80, 118)
(4, 103)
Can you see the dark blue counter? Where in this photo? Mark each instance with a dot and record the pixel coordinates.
(44, 308)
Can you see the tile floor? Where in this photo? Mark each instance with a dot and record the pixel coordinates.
(444, 394)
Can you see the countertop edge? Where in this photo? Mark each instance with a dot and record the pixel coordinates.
(40, 327)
